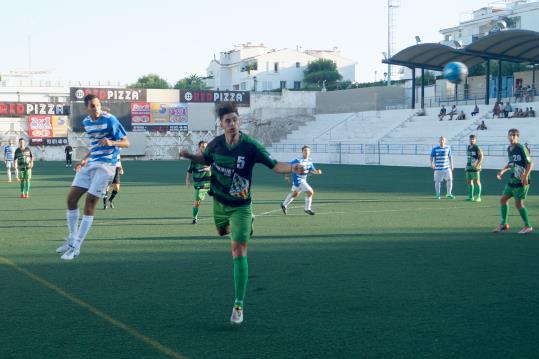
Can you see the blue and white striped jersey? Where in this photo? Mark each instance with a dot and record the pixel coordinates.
(9, 152)
(307, 164)
(441, 156)
(105, 126)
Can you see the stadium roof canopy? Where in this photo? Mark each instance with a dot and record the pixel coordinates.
(508, 45)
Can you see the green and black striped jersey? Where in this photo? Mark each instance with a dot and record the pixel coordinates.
(473, 153)
(232, 168)
(519, 158)
(23, 158)
(201, 175)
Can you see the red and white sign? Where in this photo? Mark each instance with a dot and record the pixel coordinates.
(140, 112)
(39, 126)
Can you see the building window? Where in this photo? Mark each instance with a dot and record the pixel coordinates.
(283, 85)
(298, 65)
(275, 67)
(267, 86)
(297, 85)
(235, 87)
(243, 86)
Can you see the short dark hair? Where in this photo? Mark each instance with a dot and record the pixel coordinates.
(224, 108)
(88, 98)
(21, 139)
(513, 130)
(472, 136)
(201, 142)
(304, 147)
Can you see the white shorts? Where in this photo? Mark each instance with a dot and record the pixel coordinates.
(303, 187)
(9, 164)
(442, 175)
(95, 178)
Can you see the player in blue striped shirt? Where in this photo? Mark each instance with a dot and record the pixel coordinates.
(94, 172)
(9, 156)
(299, 181)
(441, 161)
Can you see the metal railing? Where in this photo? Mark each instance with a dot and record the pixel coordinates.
(405, 149)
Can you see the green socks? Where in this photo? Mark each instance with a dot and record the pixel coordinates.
(195, 212)
(478, 191)
(470, 191)
(524, 215)
(504, 209)
(241, 274)
(25, 186)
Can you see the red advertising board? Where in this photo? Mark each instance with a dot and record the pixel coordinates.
(39, 126)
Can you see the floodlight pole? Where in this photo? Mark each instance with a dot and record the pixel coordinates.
(388, 42)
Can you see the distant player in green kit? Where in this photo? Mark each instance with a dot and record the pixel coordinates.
(473, 169)
(232, 157)
(24, 162)
(201, 174)
(520, 165)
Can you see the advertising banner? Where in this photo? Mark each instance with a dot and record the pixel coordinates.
(242, 98)
(47, 130)
(159, 117)
(108, 94)
(19, 109)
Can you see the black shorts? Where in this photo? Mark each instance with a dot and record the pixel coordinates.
(116, 179)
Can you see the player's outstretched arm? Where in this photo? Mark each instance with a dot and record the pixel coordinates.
(198, 157)
(285, 167)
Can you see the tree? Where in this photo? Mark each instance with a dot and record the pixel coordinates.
(319, 71)
(151, 81)
(429, 79)
(193, 82)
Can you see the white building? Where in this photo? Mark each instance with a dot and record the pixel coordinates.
(515, 14)
(259, 68)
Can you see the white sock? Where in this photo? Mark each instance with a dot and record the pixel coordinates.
(308, 202)
(72, 221)
(449, 186)
(84, 228)
(9, 175)
(288, 200)
(437, 187)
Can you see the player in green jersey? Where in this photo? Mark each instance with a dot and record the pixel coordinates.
(473, 169)
(232, 157)
(201, 174)
(23, 167)
(520, 165)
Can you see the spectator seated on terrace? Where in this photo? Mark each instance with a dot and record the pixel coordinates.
(518, 113)
(496, 110)
(461, 116)
(482, 126)
(531, 113)
(453, 112)
(442, 113)
(506, 109)
(475, 110)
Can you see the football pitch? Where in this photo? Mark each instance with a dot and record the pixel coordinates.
(383, 270)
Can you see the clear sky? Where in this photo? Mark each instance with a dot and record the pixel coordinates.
(123, 40)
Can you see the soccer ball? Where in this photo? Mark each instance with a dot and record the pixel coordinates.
(455, 72)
